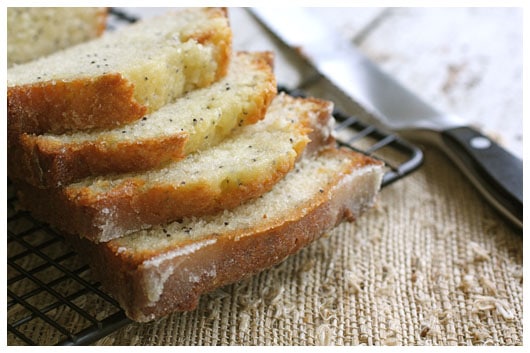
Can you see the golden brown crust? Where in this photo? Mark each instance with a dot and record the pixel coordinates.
(350, 196)
(223, 39)
(51, 205)
(44, 163)
(322, 131)
(131, 205)
(223, 60)
(101, 102)
(224, 258)
(61, 106)
(101, 19)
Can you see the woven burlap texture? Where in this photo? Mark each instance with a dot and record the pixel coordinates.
(431, 264)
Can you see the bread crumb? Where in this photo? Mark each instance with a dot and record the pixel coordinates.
(480, 336)
(325, 311)
(445, 316)
(484, 303)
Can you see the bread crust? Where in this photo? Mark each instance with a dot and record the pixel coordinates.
(151, 285)
(101, 19)
(59, 106)
(132, 205)
(103, 101)
(322, 129)
(46, 163)
(223, 50)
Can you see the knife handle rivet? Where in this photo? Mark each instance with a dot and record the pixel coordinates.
(480, 142)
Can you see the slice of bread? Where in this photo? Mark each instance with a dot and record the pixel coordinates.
(121, 76)
(242, 167)
(33, 32)
(165, 269)
(198, 120)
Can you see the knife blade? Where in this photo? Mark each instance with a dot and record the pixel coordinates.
(496, 173)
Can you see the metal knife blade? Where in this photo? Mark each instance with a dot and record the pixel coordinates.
(351, 71)
(496, 173)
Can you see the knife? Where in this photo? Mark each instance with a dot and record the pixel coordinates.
(496, 173)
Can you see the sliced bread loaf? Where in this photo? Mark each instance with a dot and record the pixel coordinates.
(121, 76)
(242, 167)
(165, 269)
(198, 120)
(33, 32)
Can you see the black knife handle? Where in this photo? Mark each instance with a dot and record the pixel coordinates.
(494, 171)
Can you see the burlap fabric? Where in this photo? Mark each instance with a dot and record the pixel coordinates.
(432, 264)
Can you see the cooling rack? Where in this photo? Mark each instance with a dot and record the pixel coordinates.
(51, 297)
(49, 288)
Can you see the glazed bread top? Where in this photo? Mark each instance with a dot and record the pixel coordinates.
(33, 32)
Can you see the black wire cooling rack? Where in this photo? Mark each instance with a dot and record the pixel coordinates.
(51, 298)
(49, 288)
